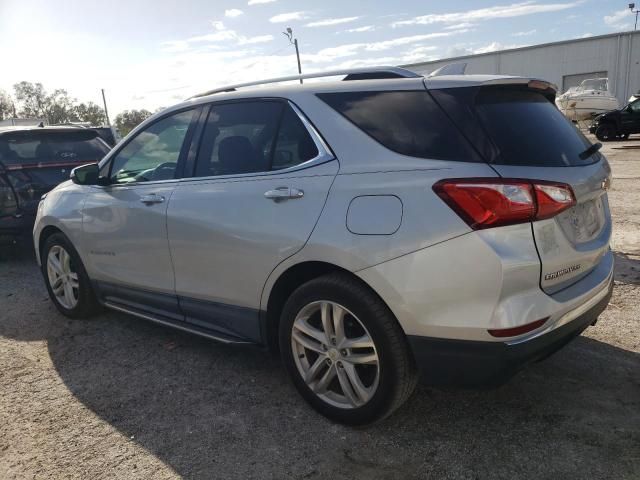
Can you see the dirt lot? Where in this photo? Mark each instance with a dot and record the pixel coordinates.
(116, 397)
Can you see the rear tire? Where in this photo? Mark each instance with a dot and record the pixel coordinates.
(66, 278)
(367, 380)
(606, 132)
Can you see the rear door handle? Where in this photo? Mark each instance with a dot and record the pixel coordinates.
(151, 199)
(283, 193)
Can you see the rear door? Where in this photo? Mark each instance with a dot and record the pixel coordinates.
(35, 161)
(260, 182)
(533, 140)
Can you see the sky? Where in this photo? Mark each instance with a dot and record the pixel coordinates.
(155, 53)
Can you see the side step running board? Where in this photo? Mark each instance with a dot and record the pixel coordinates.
(179, 325)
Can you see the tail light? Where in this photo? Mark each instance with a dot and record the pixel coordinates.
(494, 202)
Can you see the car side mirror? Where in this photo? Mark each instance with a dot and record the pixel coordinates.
(86, 174)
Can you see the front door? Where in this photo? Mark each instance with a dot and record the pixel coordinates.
(260, 183)
(124, 223)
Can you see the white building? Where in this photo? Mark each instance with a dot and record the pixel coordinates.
(566, 63)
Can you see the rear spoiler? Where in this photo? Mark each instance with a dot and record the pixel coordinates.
(534, 83)
(548, 89)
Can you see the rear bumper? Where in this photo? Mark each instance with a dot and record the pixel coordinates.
(464, 362)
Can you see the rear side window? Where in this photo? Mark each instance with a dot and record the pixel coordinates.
(294, 144)
(529, 130)
(407, 122)
(51, 147)
(238, 138)
(252, 137)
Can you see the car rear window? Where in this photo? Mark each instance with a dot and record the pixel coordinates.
(529, 130)
(27, 147)
(407, 122)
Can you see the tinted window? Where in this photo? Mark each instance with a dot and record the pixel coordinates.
(153, 153)
(528, 129)
(635, 106)
(238, 138)
(407, 122)
(51, 147)
(294, 144)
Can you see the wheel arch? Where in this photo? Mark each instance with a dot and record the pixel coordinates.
(288, 281)
(44, 234)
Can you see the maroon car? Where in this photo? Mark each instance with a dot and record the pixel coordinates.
(33, 160)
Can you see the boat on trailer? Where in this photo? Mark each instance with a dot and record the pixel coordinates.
(592, 97)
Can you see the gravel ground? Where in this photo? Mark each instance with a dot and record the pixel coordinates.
(116, 397)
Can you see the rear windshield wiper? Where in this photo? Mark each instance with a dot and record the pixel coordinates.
(590, 151)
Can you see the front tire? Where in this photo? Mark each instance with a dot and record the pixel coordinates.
(66, 278)
(606, 133)
(344, 350)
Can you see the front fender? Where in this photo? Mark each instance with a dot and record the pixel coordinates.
(61, 210)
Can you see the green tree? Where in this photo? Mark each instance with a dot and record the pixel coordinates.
(32, 99)
(59, 107)
(89, 112)
(129, 119)
(35, 102)
(7, 107)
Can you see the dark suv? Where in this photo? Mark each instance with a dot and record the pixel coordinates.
(33, 160)
(617, 124)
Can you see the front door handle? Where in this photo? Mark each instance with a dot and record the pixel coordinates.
(151, 199)
(284, 193)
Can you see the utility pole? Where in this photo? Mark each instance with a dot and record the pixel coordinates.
(631, 7)
(294, 41)
(106, 112)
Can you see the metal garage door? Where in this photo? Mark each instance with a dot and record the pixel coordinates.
(569, 81)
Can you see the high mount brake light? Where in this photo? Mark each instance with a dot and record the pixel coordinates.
(494, 202)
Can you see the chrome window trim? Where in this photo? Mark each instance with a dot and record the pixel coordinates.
(137, 184)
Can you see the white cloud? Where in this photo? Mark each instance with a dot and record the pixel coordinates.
(586, 35)
(327, 55)
(458, 26)
(174, 46)
(386, 44)
(218, 36)
(221, 34)
(499, 11)
(492, 47)
(259, 2)
(331, 21)
(287, 17)
(618, 20)
(524, 34)
(418, 54)
(257, 39)
(463, 49)
(233, 12)
(366, 28)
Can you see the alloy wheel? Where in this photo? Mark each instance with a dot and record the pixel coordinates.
(335, 354)
(63, 280)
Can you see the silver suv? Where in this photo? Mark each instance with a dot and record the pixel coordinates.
(368, 229)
